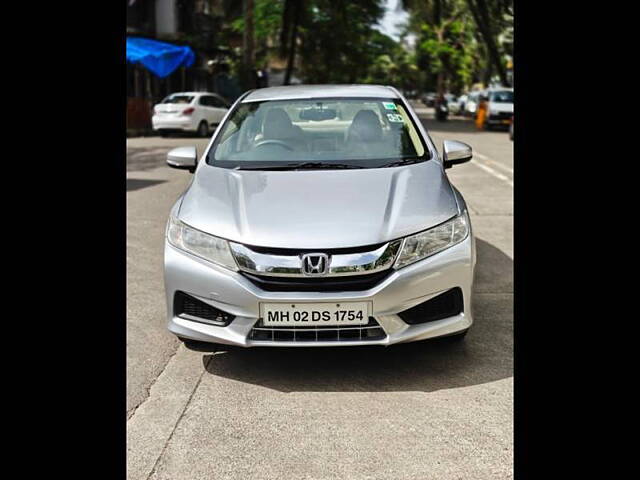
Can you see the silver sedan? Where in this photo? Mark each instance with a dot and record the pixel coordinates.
(319, 216)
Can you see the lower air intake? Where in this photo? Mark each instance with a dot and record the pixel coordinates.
(190, 308)
(445, 305)
(370, 331)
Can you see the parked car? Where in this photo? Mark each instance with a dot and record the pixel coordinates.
(195, 112)
(462, 101)
(442, 110)
(499, 108)
(410, 94)
(471, 105)
(429, 99)
(452, 103)
(319, 216)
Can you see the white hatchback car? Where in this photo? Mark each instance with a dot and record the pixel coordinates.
(198, 112)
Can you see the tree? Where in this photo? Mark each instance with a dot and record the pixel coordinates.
(391, 63)
(329, 40)
(291, 18)
(446, 46)
(247, 44)
(335, 36)
(489, 16)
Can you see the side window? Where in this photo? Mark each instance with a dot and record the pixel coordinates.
(217, 103)
(205, 101)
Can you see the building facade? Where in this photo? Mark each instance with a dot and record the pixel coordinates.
(202, 25)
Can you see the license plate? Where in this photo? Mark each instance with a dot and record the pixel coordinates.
(315, 314)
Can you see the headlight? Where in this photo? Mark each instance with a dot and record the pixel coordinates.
(427, 243)
(201, 244)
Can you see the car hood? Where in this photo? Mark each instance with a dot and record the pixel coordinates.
(318, 208)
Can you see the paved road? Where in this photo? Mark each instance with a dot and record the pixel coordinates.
(416, 411)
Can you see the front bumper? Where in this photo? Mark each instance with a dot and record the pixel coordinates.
(403, 289)
(500, 119)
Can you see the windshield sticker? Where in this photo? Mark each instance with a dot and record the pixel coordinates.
(389, 106)
(394, 117)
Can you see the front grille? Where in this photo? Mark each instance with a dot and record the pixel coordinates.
(328, 251)
(370, 331)
(348, 283)
(191, 308)
(445, 305)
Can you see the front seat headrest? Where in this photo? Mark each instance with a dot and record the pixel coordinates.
(277, 124)
(366, 126)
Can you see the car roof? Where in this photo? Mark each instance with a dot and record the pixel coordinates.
(297, 92)
(192, 93)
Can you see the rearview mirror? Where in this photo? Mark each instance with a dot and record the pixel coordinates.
(318, 114)
(184, 158)
(455, 152)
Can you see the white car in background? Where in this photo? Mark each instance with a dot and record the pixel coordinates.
(197, 112)
(462, 101)
(471, 104)
(499, 107)
(452, 103)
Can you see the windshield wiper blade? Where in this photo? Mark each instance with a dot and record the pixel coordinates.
(405, 161)
(300, 166)
(263, 167)
(322, 165)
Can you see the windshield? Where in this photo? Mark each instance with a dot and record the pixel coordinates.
(318, 133)
(505, 96)
(178, 99)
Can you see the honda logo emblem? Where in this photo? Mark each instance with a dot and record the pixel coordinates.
(315, 264)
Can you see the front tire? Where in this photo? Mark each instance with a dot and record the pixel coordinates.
(203, 129)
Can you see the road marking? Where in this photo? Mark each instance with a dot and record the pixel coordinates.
(493, 172)
(494, 163)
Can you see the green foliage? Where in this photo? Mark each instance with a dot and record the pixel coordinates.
(393, 65)
(267, 22)
(449, 49)
(450, 46)
(338, 41)
(267, 19)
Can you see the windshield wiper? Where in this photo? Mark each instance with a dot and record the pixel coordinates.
(322, 165)
(300, 166)
(263, 167)
(405, 161)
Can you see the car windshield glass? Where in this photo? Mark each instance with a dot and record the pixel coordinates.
(178, 99)
(502, 97)
(318, 133)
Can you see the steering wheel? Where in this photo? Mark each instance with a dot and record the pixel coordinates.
(274, 142)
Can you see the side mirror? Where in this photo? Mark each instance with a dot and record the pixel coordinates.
(184, 158)
(455, 152)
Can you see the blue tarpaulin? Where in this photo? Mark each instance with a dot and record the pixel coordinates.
(159, 57)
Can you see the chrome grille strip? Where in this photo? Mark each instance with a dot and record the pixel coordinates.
(291, 266)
